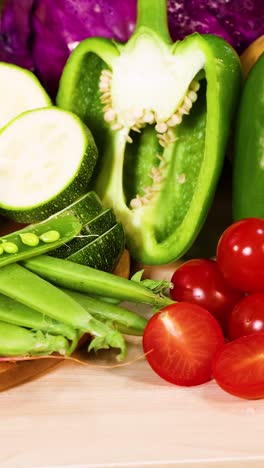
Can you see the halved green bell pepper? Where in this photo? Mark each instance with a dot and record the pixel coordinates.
(248, 164)
(160, 113)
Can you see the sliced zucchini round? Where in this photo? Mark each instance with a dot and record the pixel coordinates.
(85, 208)
(20, 91)
(104, 252)
(90, 232)
(47, 157)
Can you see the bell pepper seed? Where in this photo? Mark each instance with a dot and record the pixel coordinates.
(166, 104)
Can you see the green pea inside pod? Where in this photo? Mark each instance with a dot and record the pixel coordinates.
(10, 247)
(39, 238)
(50, 236)
(30, 239)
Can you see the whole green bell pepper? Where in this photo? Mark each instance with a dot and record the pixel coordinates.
(248, 163)
(160, 113)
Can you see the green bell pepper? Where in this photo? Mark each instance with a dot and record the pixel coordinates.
(160, 113)
(248, 164)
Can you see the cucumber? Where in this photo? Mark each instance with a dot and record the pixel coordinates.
(90, 232)
(20, 91)
(104, 252)
(47, 157)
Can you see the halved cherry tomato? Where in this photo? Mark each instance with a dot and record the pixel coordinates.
(240, 254)
(199, 281)
(180, 342)
(239, 367)
(247, 317)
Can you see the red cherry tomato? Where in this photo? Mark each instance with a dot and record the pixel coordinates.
(247, 317)
(180, 342)
(240, 254)
(199, 281)
(239, 367)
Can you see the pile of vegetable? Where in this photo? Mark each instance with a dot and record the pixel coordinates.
(47, 304)
(216, 327)
(121, 145)
(160, 113)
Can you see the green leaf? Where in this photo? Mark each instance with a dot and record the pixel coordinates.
(157, 286)
(113, 339)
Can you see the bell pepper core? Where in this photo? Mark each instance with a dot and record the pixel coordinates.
(160, 113)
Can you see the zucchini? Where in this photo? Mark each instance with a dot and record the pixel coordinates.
(47, 157)
(104, 252)
(91, 231)
(85, 208)
(20, 91)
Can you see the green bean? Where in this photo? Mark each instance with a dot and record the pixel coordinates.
(16, 313)
(18, 341)
(85, 279)
(24, 286)
(124, 320)
(15, 248)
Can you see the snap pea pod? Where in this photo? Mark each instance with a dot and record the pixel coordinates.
(37, 239)
(124, 320)
(18, 341)
(17, 313)
(85, 279)
(24, 286)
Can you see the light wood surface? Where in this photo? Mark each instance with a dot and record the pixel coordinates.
(77, 416)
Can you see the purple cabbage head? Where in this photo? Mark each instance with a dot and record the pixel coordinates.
(40, 34)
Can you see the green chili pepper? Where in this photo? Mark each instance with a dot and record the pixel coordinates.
(160, 113)
(16, 313)
(23, 244)
(248, 164)
(18, 341)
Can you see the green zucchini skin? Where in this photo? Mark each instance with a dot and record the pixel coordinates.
(90, 231)
(248, 165)
(104, 252)
(77, 186)
(103, 238)
(84, 208)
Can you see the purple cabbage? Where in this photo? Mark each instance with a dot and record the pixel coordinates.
(40, 34)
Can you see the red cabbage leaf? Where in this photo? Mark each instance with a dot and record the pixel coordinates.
(40, 34)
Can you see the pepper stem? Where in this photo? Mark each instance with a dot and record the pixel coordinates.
(153, 14)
